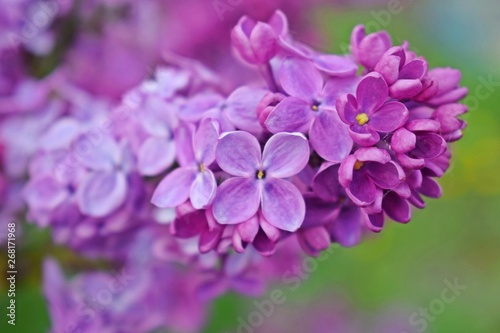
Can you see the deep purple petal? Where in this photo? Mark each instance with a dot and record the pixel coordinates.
(314, 240)
(347, 228)
(396, 207)
(347, 108)
(430, 188)
(385, 176)
(285, 155)
(174, 189)
(282, 204)
(237, 200)
(238, 153)
(375, 222)
(429, 145)
(361, 190)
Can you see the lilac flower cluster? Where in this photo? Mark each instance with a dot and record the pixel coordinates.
(227, 171)
(320, 152)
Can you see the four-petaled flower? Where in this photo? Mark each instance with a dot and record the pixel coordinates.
(258, 181)
(369, 112)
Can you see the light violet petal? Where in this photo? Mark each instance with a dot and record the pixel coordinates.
(203, 189)
(205, 141)
(282, 204)
(155, 156)
(184, 144)
(290, 115)
(299, 78)
(44, 193)
(329, 136)
(236, 201)
(285, 155)
(238, 153)
(241, 108)
(174, 189)
(263, 41)
(101, 193)
(335, 65)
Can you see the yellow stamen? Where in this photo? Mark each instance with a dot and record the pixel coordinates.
(358, 165)
(260, 174)
(202, 167)
(362, 119)
(314, 108)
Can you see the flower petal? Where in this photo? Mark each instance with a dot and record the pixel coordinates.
(299, 78)
(336, 65)
(44, 193)
(237, 200)
(174, 189)
(371, 93)
(203, 189)
(290, 115)
(101, 193)
(386, 176)
(242, 108)
(205, 141)
(282, 204)
(238, 153)
(184, 144)
(329, 136)
(396, 207)
(361, 190)
(155, 156)
(347, 228)
(389, 117)
(326, 182)
(285, 155)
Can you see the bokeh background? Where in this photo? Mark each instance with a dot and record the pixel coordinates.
(390, 276)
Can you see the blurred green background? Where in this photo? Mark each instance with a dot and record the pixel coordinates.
(456, 237)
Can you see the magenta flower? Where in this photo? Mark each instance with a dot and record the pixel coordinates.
(366, 173)
(193, 179)
(310, 108)
(403, 76)
(417, 141)
(369, 112)
(369, 49)
(258, 181)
